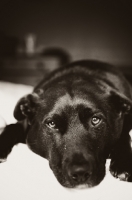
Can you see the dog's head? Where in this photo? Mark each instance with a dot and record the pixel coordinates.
(74, 127)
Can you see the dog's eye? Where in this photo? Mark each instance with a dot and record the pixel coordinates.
(51, 124)
(95, 120)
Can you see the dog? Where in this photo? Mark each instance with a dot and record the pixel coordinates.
(76, 118)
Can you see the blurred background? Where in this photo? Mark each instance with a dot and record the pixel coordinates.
(37, 36)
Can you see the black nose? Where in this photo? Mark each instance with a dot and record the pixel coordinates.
(79, 173)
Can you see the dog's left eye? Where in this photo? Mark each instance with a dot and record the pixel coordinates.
(51, 124)
(95, 121)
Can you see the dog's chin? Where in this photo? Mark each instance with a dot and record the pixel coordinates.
(69, 184)
(78, 186)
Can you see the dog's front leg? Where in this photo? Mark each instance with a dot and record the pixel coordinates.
(11, 135)
(121, 159)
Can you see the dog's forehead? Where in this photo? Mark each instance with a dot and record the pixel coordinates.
(66, 101)
(72, 101)
(60, 97)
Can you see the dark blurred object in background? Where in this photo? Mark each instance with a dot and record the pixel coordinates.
(30, 67)
(87, 29)
(8, 44)
(62, 55)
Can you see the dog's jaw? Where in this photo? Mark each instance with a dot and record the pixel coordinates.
(95, 179)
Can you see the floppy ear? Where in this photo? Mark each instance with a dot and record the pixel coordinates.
(120, 102)
(25, 108)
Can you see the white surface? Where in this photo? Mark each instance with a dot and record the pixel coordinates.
(27, 176)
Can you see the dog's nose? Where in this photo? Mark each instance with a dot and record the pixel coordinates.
(79, 173)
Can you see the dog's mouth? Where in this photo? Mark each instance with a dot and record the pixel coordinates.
(94, 179)
(80, 186)
(87, 184)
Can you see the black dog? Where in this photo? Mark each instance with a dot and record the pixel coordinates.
(76, 118)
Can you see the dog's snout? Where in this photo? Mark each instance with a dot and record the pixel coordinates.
(80, 169)
(79, 173)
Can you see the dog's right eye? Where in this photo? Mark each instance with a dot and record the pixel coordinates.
(95, 121)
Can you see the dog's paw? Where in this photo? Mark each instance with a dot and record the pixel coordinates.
(121, 170)
(3, 160)
(4, 152)
(3, 155)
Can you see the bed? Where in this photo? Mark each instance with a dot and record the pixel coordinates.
(27, 176)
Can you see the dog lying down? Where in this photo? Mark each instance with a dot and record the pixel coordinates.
(76, 118)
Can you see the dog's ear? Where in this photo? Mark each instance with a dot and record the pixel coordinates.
(26, 106)
(120, 102)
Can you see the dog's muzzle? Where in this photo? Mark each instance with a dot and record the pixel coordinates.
(79, 170)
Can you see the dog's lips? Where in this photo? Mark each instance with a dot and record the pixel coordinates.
(78, 186)
(66, 182)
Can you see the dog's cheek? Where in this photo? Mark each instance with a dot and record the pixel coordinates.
(115, 126)
(101, 139)
(99, 136)
(56, 143)
(56, 154)
(37, 140)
